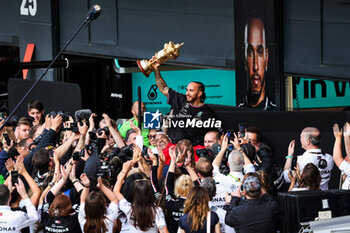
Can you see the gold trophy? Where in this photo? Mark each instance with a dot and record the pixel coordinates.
(170, 51)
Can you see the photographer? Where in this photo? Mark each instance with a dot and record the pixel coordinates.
(258, 212)
(46, 140)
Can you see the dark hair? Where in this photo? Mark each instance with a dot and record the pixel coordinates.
(249, 151)
(197, 208)
(143, 208)
(210, 185)
(96, 211)
(61, 206)
(252, 129)
(4, 194)
(36, 104)
(128, 186)
(204, 167)
(266, 183)
(202, 89)
(253, 192)
(41, 160)
(128, 133)
(310, 178)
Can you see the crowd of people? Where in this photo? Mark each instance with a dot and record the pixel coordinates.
(64, 173)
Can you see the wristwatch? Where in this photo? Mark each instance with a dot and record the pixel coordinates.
(51, 184)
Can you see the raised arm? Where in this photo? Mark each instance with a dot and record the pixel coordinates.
(62, 149)
(170, 178)
(337, 154)
(289, 157)
(189, 168)
(85, 180)
(109, 193)
(115, 134)
(161, 159)
(346, 133)
(218, 159)
(163, 87)
(83, 131)
(32, 185)
(58, 186)
(120, 179)
(237, 146)
(77, 185)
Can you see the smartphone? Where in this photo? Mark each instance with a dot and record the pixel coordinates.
(230, 134)
(14, 177)
(7, 139)
(294, 162)
(241, 130)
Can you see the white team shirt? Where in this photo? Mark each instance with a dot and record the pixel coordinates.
(314, 156)
(225, 184)
(14, 221)
(345, 169)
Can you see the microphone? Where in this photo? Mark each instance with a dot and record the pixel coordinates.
(93, 13)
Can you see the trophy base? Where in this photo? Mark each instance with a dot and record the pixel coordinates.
(140, 64)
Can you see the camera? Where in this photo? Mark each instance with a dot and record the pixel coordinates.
(126, 153)
(73, 127)
(82, 114)
(13, 121)
(64, 115)
(105, 129)
(206, 153)
(77, 155)
(106, 169)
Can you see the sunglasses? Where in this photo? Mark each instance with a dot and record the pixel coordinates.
(152, 136)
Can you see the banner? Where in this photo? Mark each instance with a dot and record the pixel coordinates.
(317, 93)
(257, 60)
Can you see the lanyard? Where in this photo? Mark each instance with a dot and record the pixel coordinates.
(234, 178)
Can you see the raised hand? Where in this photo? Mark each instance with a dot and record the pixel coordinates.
(84, 180)
(181, 155)
(134, 127)
(291, 148)
(83, 128)
(10, 165)
(172, 153)
(21, 189)
(107, 119)
(152, 156)
(188, 159)
(337, 132)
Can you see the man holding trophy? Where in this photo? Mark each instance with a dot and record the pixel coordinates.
(189, 108)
